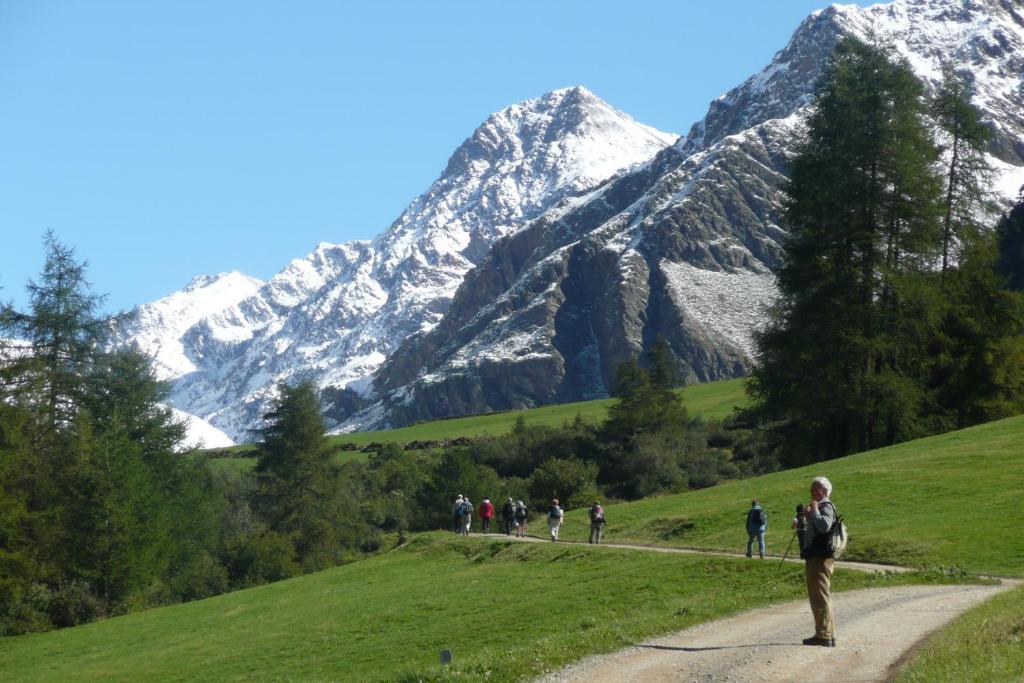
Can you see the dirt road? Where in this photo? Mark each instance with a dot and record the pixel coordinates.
(874, 627)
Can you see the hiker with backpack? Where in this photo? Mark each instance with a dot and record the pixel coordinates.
(520, 519)
(486, 513)
(457, 515)
(596, 523)
(467, 516)
(555, 516)
(508, 516)
(757, 523)
(820, 519)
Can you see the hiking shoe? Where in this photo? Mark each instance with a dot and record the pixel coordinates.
(820, 642)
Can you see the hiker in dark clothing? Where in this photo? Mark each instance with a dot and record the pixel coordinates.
(508, 516)
(757, 523)
(596, 523)
(457, 515)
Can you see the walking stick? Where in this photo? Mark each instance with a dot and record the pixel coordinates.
(788, 548)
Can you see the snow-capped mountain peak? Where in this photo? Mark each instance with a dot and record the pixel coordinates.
(333, 315)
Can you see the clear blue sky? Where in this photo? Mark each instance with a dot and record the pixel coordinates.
(167, 139)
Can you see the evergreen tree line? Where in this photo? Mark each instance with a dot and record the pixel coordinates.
(97, 512)
(101, 512)
(899, 312)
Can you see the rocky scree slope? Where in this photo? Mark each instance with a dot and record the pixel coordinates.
(684, 245)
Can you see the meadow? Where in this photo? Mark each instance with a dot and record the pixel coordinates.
(942, 500)
(508, 611)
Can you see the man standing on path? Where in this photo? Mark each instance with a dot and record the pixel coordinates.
(757, 523)
(814, 548)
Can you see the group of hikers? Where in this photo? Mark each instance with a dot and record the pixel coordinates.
(515, 517)
(812, 524)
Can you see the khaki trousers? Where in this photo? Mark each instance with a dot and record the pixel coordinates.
(819, 592)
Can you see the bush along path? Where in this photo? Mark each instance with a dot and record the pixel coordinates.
(875, 629)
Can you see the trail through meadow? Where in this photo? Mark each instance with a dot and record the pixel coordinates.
(875, 629)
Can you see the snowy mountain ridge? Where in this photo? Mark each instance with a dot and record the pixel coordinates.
(682, 247)
(334, 315)
(561, 238)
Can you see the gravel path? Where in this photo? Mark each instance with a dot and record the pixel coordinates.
(874, 627)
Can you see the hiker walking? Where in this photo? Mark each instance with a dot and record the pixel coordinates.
(555, 515)
(486, 513)
(508, 516)
(814, 549)
(457, 515)
(520, 519)
(596, 523)
(757, 523)
(467, 516)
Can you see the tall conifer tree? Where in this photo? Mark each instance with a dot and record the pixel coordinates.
(299, 486)
(966, 170)
(837, 360)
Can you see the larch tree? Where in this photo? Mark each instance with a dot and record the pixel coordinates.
(839, 358)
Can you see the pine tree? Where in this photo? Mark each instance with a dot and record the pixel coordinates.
(840, 360)
(63, 330)
(1011, 246)
(299, 489)
(979, 366)
(647, 402)
(103, 508)
(967, 172)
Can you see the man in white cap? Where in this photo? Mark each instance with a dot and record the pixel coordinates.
(820, 515)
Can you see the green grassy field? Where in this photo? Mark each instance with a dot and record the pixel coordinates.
(711, 400)
(508, 611)
(945, 500)
(984, 645)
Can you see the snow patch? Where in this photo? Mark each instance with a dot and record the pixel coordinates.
(200, 433)
(729, 305)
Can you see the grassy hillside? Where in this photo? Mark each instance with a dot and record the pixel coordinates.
(982, 646)
(712, 400)
(508, 611)
(952, 499)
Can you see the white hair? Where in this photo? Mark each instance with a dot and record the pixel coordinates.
(825, 483)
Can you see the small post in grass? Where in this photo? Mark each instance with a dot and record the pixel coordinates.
(446, 657)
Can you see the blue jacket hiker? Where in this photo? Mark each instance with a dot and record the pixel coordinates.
(757, 523)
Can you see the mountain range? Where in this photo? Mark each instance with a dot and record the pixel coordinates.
(561, 238)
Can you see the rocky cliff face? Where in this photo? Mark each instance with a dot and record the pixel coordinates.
(333, 316)
(684, 245)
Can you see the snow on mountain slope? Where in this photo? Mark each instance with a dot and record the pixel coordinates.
(200, 433)
(157, 327)
(333, 316)
(680, 247)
